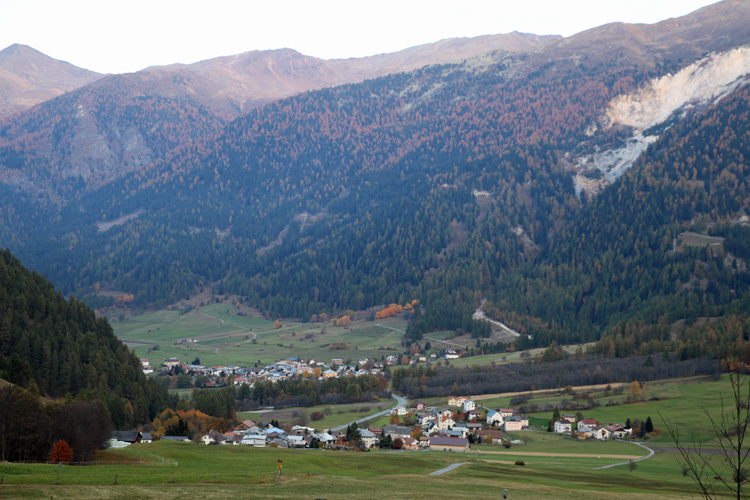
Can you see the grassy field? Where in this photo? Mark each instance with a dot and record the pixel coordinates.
(172, 470)
(555, 466)
(508, 357)
(680, 402)
(333, 415)
(225, 338)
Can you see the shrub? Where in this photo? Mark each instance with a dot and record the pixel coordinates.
(316, 415)
(61, 452)
(520, 462)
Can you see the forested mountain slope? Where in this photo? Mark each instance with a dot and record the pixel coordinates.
(56, 347)
(122, 123)
(448, 184)
(635, 256)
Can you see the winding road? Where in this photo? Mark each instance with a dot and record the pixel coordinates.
(400, 403)
(255, 336)
(389, 327)
(650, 454)
(448, 469)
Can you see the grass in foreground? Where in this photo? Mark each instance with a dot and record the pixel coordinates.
(230, 471)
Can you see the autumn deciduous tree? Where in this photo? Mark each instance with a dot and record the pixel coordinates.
(277, 324)
(61, 452)
(636, 391)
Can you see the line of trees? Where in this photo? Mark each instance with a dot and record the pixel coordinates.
(29, 427)
(417, 382)
(307, 392)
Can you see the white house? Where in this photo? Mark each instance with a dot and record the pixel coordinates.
(445, 412)
(600, 433)
(424, 419)
(446, 423)
(618, 431)
(494, 417)
(368, 438)
(586, 424)
(563, 427)
(296, 441)
(213, 437)
(469, 405)
(461, 427)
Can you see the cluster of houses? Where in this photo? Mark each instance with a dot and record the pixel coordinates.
(290, 367)
(190, 340)
(443, 429)
(249, 433)
(588, 428)
(279, 370)
(146, 366)
(462, 418)
(260, 435)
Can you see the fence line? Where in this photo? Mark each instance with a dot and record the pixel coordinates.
(121, 478)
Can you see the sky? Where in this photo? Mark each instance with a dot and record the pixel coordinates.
(115, 36)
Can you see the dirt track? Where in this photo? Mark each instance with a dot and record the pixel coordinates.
(508, 394)
(559, 455)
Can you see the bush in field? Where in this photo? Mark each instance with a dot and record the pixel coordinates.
(61, 452)
(317, 415)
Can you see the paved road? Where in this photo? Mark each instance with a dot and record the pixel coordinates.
(389, 327)
(448, 469)
(401, 402)
(444, 342)
(650, 454)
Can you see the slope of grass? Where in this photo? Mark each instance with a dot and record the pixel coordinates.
(678, 401)
(224, 338)
(232, 471)
(333, 415)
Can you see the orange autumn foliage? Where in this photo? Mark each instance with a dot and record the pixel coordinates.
(61, 452)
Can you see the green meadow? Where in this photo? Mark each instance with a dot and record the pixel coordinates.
(225, 338)
(681, 402)
(178, 470)
(508, 357)
(333, 415)
(546, 466)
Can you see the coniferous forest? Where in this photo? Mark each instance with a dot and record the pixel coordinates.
(56, 348)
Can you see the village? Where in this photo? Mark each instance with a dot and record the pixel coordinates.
(453, 428)
(285, 369)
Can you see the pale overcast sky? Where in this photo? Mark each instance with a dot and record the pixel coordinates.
(113, 36)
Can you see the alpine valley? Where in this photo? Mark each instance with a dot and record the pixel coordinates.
(580, 189)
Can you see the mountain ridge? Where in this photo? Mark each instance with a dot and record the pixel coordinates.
(29, 77)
